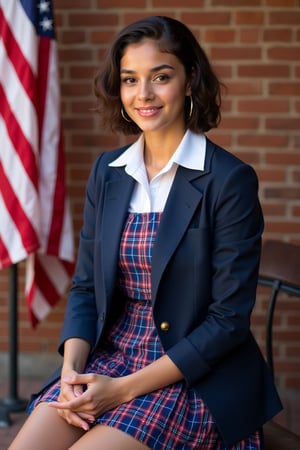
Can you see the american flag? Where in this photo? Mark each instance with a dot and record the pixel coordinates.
(35, 220)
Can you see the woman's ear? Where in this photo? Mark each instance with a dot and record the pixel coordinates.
(188, 91)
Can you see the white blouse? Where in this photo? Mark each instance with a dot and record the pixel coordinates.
(152, 196)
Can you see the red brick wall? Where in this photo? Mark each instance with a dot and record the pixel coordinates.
(255, 48)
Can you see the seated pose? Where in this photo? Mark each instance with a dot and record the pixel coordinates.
(156, 341)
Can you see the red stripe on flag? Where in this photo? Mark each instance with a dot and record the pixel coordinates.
(28, 234)
(5, 260)
(54, 235)
(16, 57)
(58, 206)
(21, 145)
(44, 285)
(42, 80)
(47, 288)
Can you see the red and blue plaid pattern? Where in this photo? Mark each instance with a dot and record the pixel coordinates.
(135, 254)
(173, 418)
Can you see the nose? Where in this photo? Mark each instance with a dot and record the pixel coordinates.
(145, 90)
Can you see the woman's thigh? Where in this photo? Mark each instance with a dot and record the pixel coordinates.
(45, 429)
(103, 437)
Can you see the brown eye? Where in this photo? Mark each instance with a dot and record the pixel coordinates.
(161, 77)
(128, 80)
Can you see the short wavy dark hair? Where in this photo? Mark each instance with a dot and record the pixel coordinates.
(173, 37)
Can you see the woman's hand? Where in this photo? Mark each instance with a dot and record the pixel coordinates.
(68, 393)
(86, 396)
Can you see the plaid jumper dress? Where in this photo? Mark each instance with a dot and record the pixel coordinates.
(172, 418)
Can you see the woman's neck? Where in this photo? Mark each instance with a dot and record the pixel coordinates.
(158, 150)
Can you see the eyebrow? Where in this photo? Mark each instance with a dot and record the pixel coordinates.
(154, 69)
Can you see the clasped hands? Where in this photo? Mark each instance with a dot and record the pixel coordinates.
(84, 397)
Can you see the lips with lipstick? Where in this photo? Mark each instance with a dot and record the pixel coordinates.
(149, 111)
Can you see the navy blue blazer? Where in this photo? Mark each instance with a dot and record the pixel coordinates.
(204, 275)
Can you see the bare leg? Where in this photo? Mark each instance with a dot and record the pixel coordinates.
(103, 437)
(45, 429)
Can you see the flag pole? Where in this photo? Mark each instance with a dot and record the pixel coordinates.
(12, 403)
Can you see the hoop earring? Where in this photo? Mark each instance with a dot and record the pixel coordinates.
(191, 107)
(123, 115)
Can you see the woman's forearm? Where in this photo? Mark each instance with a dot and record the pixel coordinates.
(104, 393)
(158, 374)
(76, 352)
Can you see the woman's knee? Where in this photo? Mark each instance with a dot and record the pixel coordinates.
(45, 429)
(103, 437)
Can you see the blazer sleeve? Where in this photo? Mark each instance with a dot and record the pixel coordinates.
(81, 312)
(236, 223)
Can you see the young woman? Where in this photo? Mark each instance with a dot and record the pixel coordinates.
(156, 342)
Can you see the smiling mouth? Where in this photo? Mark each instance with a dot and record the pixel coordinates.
(148, 111)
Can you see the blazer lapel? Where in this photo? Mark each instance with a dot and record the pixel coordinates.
(115, 210)
(180, 207)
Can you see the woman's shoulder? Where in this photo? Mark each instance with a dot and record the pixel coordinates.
(108, 156)
(216, 152)
(219, 159)
(101, 164)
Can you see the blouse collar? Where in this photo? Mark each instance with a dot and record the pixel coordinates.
(190, 154)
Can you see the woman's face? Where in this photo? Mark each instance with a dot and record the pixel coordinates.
(153, 87)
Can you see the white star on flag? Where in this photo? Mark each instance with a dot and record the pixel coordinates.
(46, 24)
(43, 6)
